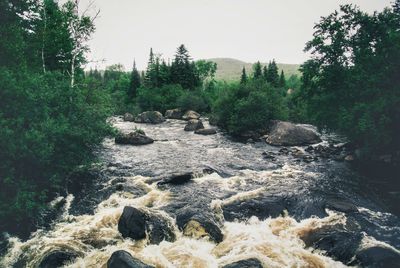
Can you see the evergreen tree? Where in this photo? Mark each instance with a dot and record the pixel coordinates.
(135, 82)
(396, 7)
(183, 71)
(257, 70)
(151, 76)
(282, 80)
(164, 74)
(265, 72)
(272, 74)
(243, 78)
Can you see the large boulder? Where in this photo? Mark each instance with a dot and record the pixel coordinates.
(177, 179)
(137, 224)
(288, 134)
(57, 258)
(128, 117)
(194, 124)
(206, 131)
(248, 263)
(174, 114)
(150, 117)
(377, 257)
(123, 259)
(198, 223)
(133, 138)
(191, 115)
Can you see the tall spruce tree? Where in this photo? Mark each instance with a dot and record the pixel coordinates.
(265, 72)
(257, 70)
(282, 80)
(272, 74)
(135, 82)
(396, 7)
(183, 71)
(243, 78)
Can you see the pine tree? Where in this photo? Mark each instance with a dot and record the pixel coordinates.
(265, 72)
(243, 78)
(396, 7)
(282, 80)
(272, 74)
(257, 70)
(151, 71)
(135, 82)
(183, 71)
(164, 74)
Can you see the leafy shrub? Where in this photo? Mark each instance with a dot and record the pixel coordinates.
(159, 98)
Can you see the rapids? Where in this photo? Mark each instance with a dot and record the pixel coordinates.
(267, 208)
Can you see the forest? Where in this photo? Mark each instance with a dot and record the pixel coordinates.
(53, 111)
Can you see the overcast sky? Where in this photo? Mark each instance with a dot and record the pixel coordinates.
(248, 30)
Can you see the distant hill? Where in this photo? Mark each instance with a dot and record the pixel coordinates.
(230, 69)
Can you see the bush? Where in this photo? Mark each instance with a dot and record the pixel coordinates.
(159, 98)
(192, 101)
(46, 130)
(249, 107)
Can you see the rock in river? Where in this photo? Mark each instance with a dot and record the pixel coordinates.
(137, 224)
(194, 124)
(123, 259)
(150, 117)
(248, 263)
(191, 115)
(174, 114)
(288, 134)
(206, 131)
(57, 258)
(133, 138)
(177, 179)
(128, 117)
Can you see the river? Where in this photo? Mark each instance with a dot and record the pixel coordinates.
(266, 207)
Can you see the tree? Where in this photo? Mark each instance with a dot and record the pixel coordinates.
(243, 78)
(282, 80)
(257, 71)
(135, 82)
(205, 70)
(265, 72)
(396, 7)
(183, 71)
(272, 76)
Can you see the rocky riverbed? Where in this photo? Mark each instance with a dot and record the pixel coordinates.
(189, 200)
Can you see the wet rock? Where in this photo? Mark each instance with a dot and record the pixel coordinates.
(206, 131)
(128, 117)
(4, 243)
(254, 135)
(378, 257)
(248, 263)
(57, 258)
(174, 114)
(288, 134)
(284, 151)
(261, 207)
(191, 115)
(349, 158)
(133, 138)
(269, 156)
(194, 124)
(198, 222)
(123, 259)
(335, 240)
(341, 205)
(177, 179)
(150, 117)
(135, 223)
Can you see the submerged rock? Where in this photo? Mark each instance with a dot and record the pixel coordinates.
(248, 263)
(377, 257)
(191, 115)
(177, 179)
(174, 114)
(123, 259)
(341, 205)
(128, 117)
(206, 131)
(289, 134)
(136, 223)
(194, 124)
(338, 243)
(133, 138)
(198, 223)
(150, 117)
(57, 258)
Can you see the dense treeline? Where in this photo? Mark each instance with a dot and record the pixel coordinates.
(352, 83)
(51, 117)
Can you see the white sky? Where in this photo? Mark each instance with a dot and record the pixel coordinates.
(247, 30)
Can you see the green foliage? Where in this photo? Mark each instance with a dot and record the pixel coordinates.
(249, 107)
(352, 84)
(159, 98)
(257, 70)
(243, 77)
(272, 75)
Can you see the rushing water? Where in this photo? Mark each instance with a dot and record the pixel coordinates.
(265, 207)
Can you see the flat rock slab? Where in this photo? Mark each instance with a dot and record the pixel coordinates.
(288, 134)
